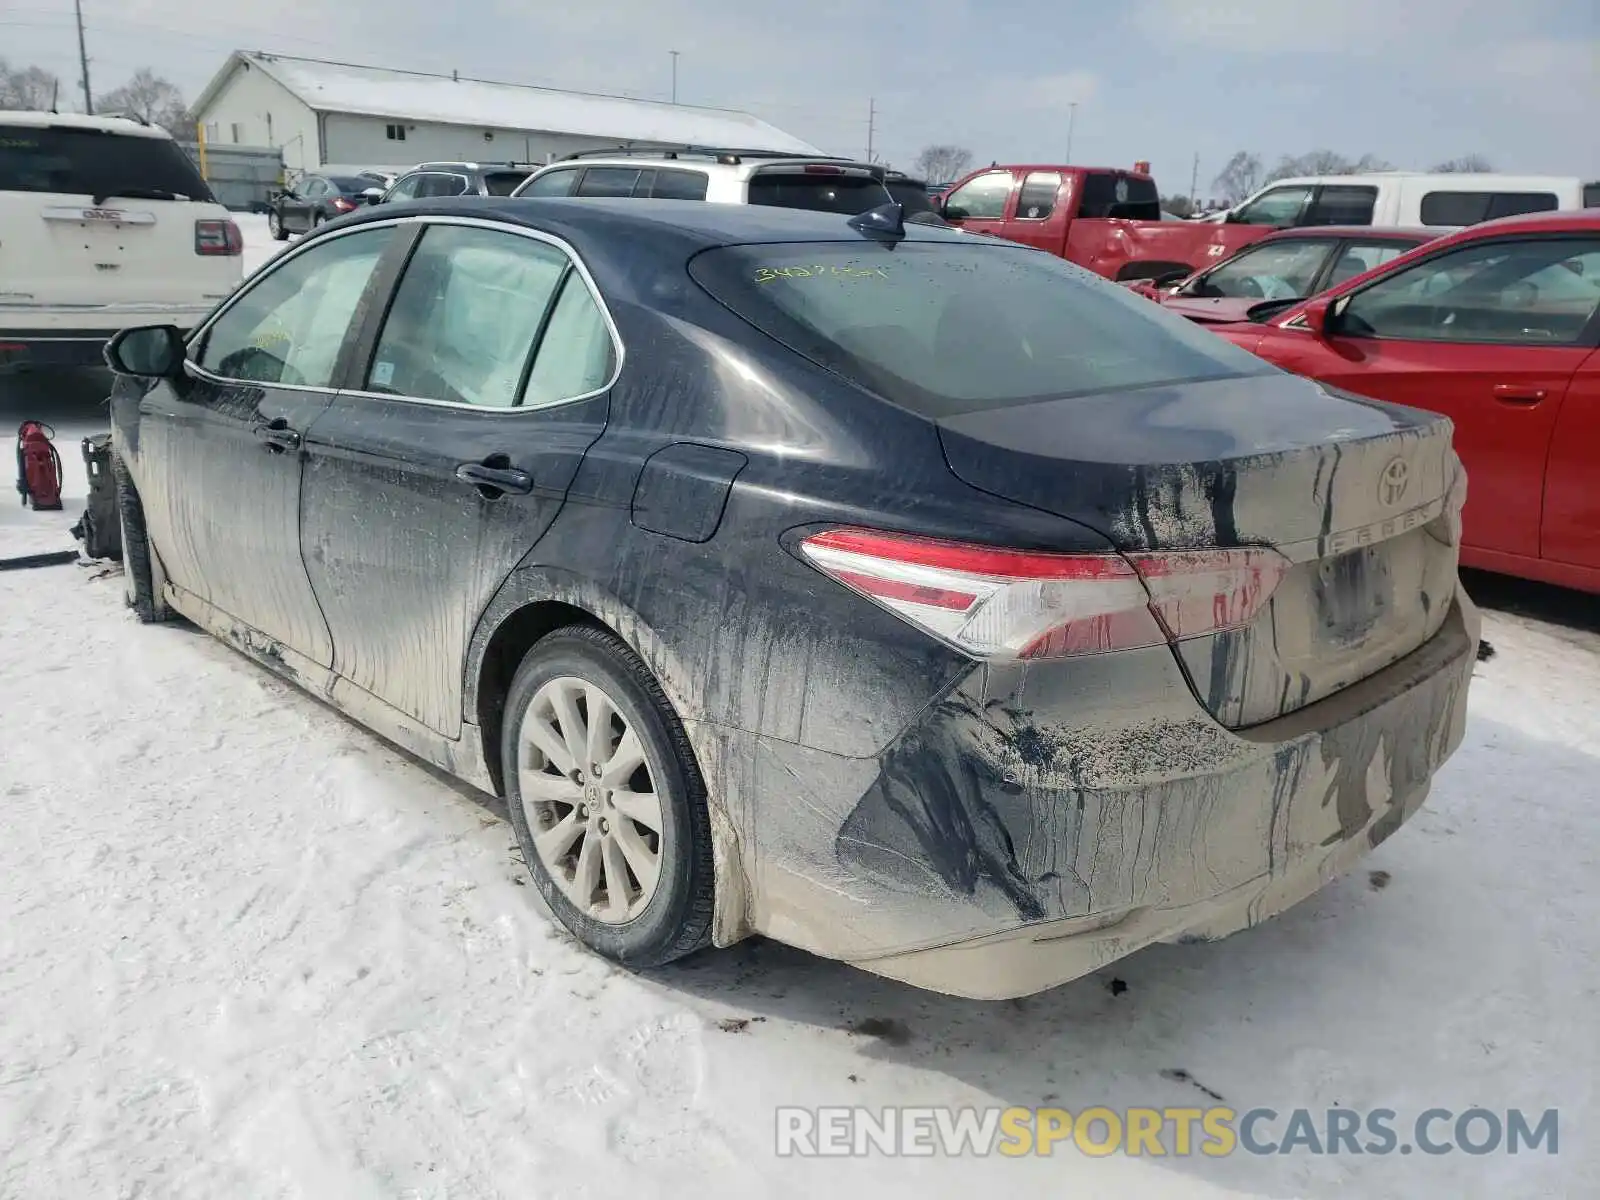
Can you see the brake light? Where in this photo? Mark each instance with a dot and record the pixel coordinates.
(820, 169)
(997, 603)
(218, 238)
(343, 205)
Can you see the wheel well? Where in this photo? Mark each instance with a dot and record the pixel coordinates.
(510, 644)
(1150, 269)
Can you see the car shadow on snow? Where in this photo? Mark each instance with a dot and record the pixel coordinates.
(1429, 977)
(1540, 601)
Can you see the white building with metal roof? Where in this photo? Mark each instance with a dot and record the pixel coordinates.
(324, 114)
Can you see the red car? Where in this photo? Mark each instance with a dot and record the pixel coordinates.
(1496, 327)
(1288, 265)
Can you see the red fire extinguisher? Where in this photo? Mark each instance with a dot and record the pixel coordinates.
(38, 466)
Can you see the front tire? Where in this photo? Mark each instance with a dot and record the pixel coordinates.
(622, 853)
(138, 563)
(275, 226)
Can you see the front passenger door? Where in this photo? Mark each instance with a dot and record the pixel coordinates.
(980, 205)
(220, 448)
(485, 383)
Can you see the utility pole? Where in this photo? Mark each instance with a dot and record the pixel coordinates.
(872, 124)
(1194, 182)
(83, 59)
(674, 54)
(1072, 119)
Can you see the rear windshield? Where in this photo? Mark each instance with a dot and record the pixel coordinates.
(503, 183)
(946, 327)
(1591, 195)
(88, 162)
(1118, 194)
(847, 195)
(910, 194)
(350, 183)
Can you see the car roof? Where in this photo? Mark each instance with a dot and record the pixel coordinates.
(1371, 232)
(125, 126)
(593, 221)
(705, 162)
(1565, 220)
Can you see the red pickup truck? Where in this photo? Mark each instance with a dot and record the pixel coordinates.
(1102, 218)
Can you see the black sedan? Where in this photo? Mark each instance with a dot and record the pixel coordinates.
(914, 598)
(313, 199)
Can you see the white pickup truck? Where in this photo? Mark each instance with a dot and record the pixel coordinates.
(104, 223)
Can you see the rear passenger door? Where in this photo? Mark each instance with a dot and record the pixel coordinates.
(477, 393)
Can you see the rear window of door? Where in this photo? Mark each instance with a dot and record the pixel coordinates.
(288, 326)
(1342, 204)
(552, 183)
(1534, 292)
(435, 185)
(983, 198)
(86, 162)
(608, 181)
(471, 309)
(1591, 195)
(1037, 200)
(1469, 208)
(1357, 258)
(950, 326)
(679, 185)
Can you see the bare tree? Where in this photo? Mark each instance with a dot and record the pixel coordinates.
(1239, 178)
(1466, 164)
(27, 88)
(1325, 162)
(941, 164)
(1178, 206)
(149, 97)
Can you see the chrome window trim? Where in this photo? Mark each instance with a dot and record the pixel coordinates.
(618, 347)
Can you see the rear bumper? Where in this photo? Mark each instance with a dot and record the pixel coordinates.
(1038, 824)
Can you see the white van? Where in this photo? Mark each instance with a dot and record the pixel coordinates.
(1408, 199)
(104, 223)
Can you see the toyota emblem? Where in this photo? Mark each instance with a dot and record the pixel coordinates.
(1392, 484)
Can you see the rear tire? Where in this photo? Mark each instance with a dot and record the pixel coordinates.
(275, 226)
(593, 829)
(138, 563)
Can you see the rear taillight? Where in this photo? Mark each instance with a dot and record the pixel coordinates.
(218, 238)
(343, 205)
(997, 603)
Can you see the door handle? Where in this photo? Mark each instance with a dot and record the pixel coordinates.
(1512, 393)
(277, 436)
(495, 476)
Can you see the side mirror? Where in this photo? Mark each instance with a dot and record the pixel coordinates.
(1324, 316)
(1171, 278)
(955, 213)
(372, 194)
(147, 352)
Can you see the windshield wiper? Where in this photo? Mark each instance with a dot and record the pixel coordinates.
(138, 193)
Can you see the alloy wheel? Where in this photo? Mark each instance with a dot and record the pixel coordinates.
(590, 800)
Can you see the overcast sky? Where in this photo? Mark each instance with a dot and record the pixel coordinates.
(1413, 81)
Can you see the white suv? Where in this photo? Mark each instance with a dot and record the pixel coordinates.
(731, 177)
(104, 223)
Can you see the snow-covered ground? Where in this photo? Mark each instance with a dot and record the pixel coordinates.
(249, 950)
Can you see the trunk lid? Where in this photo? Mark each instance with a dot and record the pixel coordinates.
(1362, 499)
